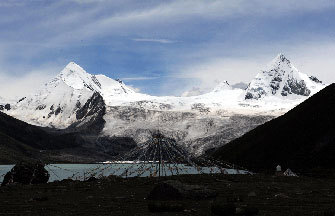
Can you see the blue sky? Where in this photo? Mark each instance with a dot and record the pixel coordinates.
(162, 47)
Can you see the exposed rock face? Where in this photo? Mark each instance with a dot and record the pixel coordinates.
(295, 87)
(313, 78)
(90, 115)
(27, 173)
(5, 107)
(92, 106)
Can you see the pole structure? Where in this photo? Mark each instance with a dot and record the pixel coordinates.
(160, 158)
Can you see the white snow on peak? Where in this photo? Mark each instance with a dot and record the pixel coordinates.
(278, 59)
(53, 105)
(4, 101)
(197, 91)
(76, 77)
(113, 88)
(282, 79)
(222, 86)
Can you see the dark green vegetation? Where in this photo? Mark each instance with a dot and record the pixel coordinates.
(303, 139)
(269, 195)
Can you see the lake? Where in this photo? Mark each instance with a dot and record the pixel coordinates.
(84, 171)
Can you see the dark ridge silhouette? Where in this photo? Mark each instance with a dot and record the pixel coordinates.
(36, 137)
(22, 141)
(303, 139)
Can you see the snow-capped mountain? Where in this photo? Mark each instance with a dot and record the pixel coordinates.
(222, 86)
(77, 99)
(56, 104)
(282, 79)
(77, 78)
(196, 91)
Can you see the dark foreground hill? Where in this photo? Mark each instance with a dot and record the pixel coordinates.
(22, 141)
(303, 139)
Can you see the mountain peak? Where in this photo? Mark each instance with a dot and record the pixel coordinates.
(72, 64)
(279, 59)
(281, 79)
(76, 77)
(223, 85)
(72, 68)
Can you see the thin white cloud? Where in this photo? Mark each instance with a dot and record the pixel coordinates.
(89, 1)
(144, 19)
(313, 58)
(163, 41)
(210, 72)
(13, 86)
(138, 78)
(135, 89)
(316, 59)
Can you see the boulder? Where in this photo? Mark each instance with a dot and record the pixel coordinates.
(289, 172)
(27, 173)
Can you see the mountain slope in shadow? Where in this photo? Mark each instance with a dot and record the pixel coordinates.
(22, 141)
(303, 139)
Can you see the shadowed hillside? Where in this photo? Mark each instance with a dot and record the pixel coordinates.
(22, 141)
(303, 139)
(34, 136)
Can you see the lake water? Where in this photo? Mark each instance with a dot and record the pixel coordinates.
(84, 171)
